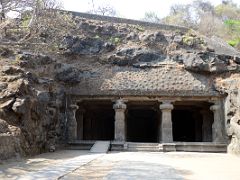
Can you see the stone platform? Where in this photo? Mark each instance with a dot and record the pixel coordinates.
(155, 147)
(170, 147)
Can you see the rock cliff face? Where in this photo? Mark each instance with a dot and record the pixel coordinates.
(229, 83)
(29, 110)
(34, 86)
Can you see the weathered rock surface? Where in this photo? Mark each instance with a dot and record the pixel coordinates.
(208, 62)
(108, 58)
(133, 56)
(3, 126)
(85, 46)
(5, 52)
(69, 74)
(30, 60)
(230, 84)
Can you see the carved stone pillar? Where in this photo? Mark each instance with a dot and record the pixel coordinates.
(120, 129)
(72, 123)
(217, 133)
(166, 124)
(206, 126)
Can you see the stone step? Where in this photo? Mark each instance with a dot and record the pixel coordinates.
(139, 148)
(100, 147)
(80, 145)
(142, 144)
(144, 150)
(201, 147)
(150, 147)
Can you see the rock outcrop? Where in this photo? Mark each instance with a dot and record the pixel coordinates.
(34, 86)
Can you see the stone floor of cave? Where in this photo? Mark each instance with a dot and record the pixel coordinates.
(77, 164)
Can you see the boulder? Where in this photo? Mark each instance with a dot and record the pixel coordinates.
(178, 39)
(68, 74)
(30, 60)
(131, 56)
(85, 46)
(156, 37)
(107, 30)
(5, 52)
(3, 86)
(132, 36)
(7, 104)
(37, 58)
(19, 106)
(3, 127)
(43, 96)
(206, 62)
(11, 70)
(237, 59)
(234, 146)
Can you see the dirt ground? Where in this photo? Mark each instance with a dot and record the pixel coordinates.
(75, 164)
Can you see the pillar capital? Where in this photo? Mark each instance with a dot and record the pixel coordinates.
(73, 107)
(119, 104)
(166, 105)
(215, 107)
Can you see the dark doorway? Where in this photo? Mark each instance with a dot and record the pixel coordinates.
(98, 121)
(142, 125)
(190, 124)
(185, 126)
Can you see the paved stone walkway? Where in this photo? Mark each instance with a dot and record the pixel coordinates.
(46, 166)
(75, 164)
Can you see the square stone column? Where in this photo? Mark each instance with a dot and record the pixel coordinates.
(72, 123)
(217, 128)
(166, 124)
(120, 127)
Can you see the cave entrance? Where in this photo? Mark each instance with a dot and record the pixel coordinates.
(97, 121)
(142, 122)
(192, 122)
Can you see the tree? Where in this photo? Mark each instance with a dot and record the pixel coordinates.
(104, 9)
(233, 27)
(222, 21)
(39, 7)
(180, 15)
(227, 10)
(36, 8)
(151, 17)
(46, 22)
(189, 15)
(40, 22)
(210, 25)
(7, 6)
